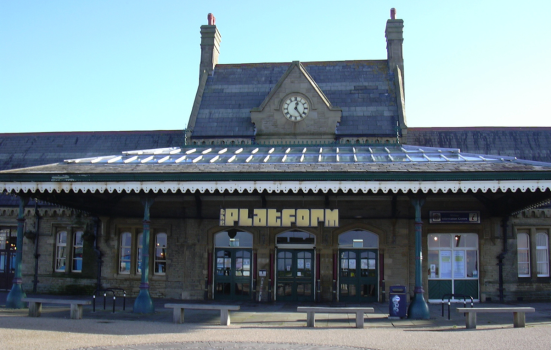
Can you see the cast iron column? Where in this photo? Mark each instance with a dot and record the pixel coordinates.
(144, 303)
(13, 300)
(418, 309)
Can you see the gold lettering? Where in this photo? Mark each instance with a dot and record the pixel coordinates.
(231, 216)
(259, 217)
(316, 215)
(222, 217)
(274, 218)
(244, 219)
(287, 217)
(303, 217)
(331, 218)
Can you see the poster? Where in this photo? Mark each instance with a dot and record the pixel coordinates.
(307, 266)
(459, 264)
(445, 264)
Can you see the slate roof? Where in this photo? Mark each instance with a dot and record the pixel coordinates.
(532, 143)
(20, 150)
(364, 90)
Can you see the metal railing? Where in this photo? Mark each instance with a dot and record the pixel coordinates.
(450, 296)
(113, 292)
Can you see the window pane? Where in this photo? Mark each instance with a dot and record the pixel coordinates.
(472, 264)
(522, 240)
(62, 237)
(523, 254)
(433, 264)
(542, 254)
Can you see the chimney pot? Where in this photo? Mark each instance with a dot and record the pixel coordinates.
(392, 13)
(211, 19)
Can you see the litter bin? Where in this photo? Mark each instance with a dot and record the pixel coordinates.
(397, 306)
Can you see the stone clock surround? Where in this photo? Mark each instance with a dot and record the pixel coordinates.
(320, 123)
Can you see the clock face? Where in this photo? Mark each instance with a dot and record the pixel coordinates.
(295, 108)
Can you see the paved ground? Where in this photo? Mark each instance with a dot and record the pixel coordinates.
(266, 326)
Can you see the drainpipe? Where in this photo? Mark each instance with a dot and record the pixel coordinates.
(501, 256)
(98, 252)
(36, 255)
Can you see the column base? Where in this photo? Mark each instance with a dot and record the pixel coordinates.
(144, 303)
(418, 309)
(13, 301)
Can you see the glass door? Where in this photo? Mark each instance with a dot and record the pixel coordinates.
(358, 275)
(233, 274)
(295, 275)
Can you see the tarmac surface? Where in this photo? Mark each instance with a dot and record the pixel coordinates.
(265, 326)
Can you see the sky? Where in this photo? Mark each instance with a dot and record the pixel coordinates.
(134, 65)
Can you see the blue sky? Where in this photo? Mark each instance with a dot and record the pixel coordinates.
(134, 65)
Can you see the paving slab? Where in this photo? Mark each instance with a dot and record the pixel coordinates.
(266, 326)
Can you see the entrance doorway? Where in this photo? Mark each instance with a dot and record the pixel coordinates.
(8, 240)
(358, 267)
(233, 265)
(295, 261)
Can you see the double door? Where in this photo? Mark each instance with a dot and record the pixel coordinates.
(295, 275)
(233, 274)
(358, 275)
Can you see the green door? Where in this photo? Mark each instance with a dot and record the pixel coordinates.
(295, 275)
(358, 275)
(232, 280)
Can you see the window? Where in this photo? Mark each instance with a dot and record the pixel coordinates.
(542, 254)
(453, 256)
(131, 251)
(61, 251)
(68, 250)
(140, 254)
(530, 240)
(126, 251)
(523, 253)
(77, 251)
(160, 253)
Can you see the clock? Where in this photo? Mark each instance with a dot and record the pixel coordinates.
(295, 108)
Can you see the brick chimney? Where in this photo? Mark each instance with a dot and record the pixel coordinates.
(394, 34)
(210, 46)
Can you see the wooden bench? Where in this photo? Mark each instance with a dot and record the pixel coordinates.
(178, 312)
(519, 318)
(311, 313)
(35, 306)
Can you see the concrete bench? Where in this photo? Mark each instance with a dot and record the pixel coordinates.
(519, 318)
(35, 306)
(311, 313)
(178, 312)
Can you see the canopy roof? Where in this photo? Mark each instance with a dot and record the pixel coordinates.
(283, 168)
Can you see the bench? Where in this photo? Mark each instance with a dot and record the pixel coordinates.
(519, 318)
(311, 313)
(35, 306)
(178, 312)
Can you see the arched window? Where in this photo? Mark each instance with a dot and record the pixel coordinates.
(542, 254)
(523, 254)
(233, 238)
(358, 239)
(295, 238)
